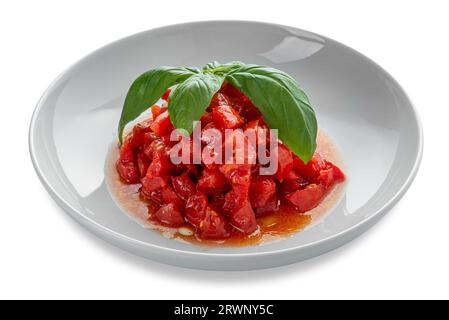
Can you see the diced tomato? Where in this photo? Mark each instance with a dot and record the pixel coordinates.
(225, 117)
(169, 215)
(126, 152)
(148, 138)
(212, 181)
(191, 168)
(160, 166)
(138, 134)
(285, 161)
(217, 201)
(183, 186)
(339, 176)
(250, 112)
(166, 94)
(156, 147)
(195, 209)
(142, 164)
(213, 226)
(261, 191)
(312, 168)
(126, 165)
(206, 118)
(292, 182)
(162, 124)
(219, 99)
(244, 219)
(330, 176)
(270, 207)
(170, 196)
(239, 177)
(128, 172)
(151, 183)
(308, 198)
(154, 196)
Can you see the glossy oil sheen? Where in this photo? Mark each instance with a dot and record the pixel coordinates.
(358, 104)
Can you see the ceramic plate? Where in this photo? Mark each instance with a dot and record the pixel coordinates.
(360, 106)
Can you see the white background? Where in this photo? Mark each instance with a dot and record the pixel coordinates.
(45, 254)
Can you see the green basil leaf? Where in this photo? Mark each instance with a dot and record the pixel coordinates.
(189, 100)
(283, 103)
(221, 69)
(147, 89)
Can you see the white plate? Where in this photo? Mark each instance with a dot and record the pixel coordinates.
(358, 104)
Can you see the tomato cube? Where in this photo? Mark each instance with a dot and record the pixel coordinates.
(225, 117)
(142, 164)
(128, 172)
(212, 181)
(213, 226)
(312, 168)
(195, 209)
(183, 186)
(219, 99)
(162, 124)
(126, 152)
(261, 191)
(244, 219)
(308, 198)
(292, 182)
(285, 161)
(269, 208)
(151, 183)
(169, 215)
(169, 196)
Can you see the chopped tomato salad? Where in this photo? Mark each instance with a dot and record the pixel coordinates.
(219, 200)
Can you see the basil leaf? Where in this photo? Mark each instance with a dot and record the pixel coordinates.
(282, 102)
(221, 69)
(147, 89)
(189, 100)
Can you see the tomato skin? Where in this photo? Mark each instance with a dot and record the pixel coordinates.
(244, 219)
(225, 117)
(183, 186)
(212, 181)
(195, 209)
(162, 124)
(261, 191)
(213, 226)
(166, 94)
(307, 198)
(169, 215)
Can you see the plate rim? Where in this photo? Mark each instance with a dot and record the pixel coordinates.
(107, 233)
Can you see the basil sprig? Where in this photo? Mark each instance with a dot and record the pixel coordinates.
(278, 96)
